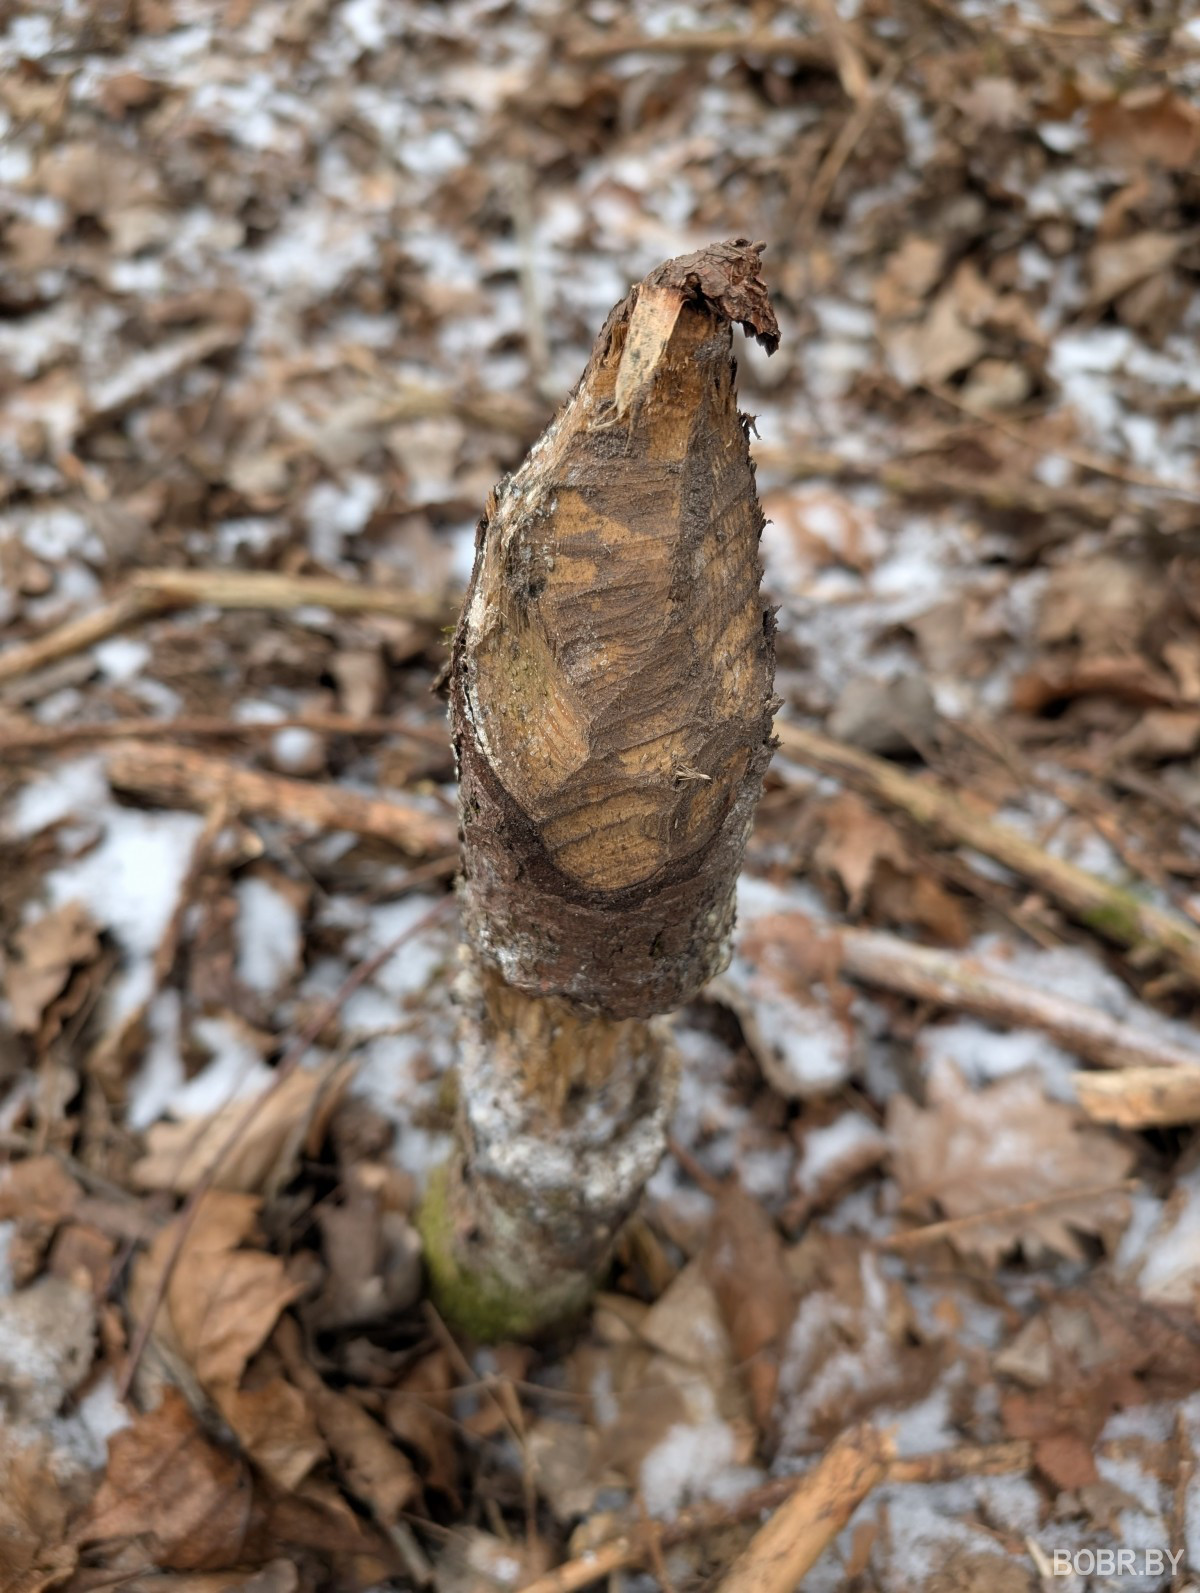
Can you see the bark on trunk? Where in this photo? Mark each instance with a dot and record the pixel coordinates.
(611, 703)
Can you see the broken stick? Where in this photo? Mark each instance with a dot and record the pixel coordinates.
(1110, 910)
(154, 592)
(194, 779)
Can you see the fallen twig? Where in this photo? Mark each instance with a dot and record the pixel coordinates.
(1141, 1097)
(18, 734)
(153, 592)
(933, 1232)
(695, 41)
(182, 775)
(1111, 911)
(964, 983)
(630, 1549)
(1008, 493)
(288, 1064)
(802, 1528)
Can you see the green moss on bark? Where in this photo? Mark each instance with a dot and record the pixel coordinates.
(477, 1300)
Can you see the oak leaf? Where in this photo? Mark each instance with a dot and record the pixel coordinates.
(969, 1153)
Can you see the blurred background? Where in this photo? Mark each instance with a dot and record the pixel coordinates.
(285, 287)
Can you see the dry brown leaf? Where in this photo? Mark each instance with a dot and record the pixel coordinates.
(941, 345)
(373, 1468)
(38, 1189)
(744, 1264)
(1163, 129)
(44, 953)
(784, 986)
(418, 1414)
(294, 1119)
(169, 1484)
(878, 871)
(34, 1550)
(854, 840)
(223, 1306)
(1121, 264)
(970, 1152)
(276, 1429)
(221, 1302)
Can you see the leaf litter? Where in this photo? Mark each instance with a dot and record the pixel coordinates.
(287, 288)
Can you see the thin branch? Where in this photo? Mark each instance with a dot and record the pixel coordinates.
(933, 1232)
(18, 734)
(154, 592)
(182, 775)
(1111, 911)
(966, 984)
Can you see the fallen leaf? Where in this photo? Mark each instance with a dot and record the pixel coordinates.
(854, 840)
(44, 953)
(38, 1189)
(743, 1262)
(1119, 265)
(168, 1483)
(221, 1301)
(968, 1153)
(34, 1549)
(373, 1469)
(1163, 128)
(276, 1429)
(783, 984)
(289, 1123)
(418, 1414)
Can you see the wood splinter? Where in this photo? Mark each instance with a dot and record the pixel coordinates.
(611, 702)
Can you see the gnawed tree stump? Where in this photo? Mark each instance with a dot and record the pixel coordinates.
(611, 703)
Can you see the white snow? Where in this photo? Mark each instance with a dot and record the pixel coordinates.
(268, 935)
(77, 787)
(130, 884)
(686, 1465)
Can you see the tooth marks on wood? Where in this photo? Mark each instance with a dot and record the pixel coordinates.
(614, 662)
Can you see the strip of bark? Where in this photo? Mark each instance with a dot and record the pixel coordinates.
(1110, 911)
(194, 779)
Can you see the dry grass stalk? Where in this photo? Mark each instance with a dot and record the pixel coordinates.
(611, 703)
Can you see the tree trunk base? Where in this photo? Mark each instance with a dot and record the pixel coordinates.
(563, 1116)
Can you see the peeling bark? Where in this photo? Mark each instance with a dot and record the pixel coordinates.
(611, 702)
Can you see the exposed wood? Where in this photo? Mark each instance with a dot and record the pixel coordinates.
(802, 1528)
(611, 700)
(613, 667)
(1141, 1097)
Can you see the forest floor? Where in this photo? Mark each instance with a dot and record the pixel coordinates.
(287, 285)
